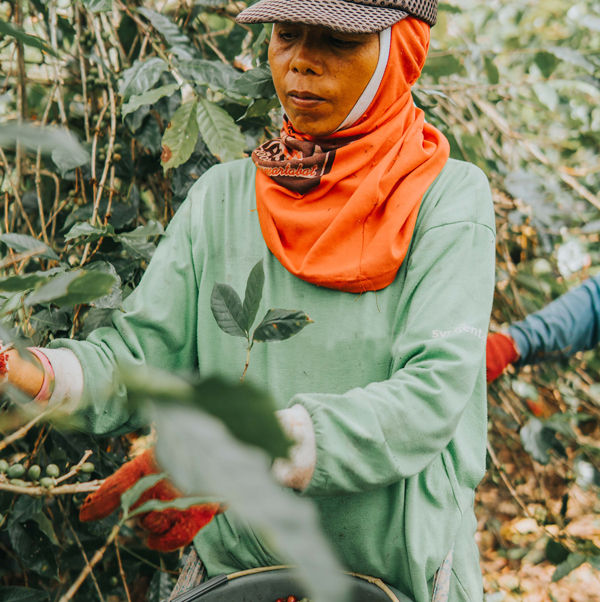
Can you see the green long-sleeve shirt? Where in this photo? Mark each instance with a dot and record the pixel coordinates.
(394, 381)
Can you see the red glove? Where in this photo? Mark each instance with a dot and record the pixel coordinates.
(169, 529)
(500, 352)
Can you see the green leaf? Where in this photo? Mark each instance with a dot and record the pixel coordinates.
(256, 83)
(114, 298)
(22, 594)
(180, 136)
(160, 587)
(72, 288)
(180, 43)
(151, 228)
(547, 63)
(241, 475)
(22, 243)
(556, 553)
(46, 138)
(248, 413)
(537, 440)
(141, 77)
(227, 309)
(21, 282)
(570, 564)
(569, 55)
(180, 503)
(132, 495)
(148, 98)
(33, 548)
(8, 29)
(217, 75)
(440, 66)
(449, 8)
(98, 6)
(69, 158)
(260, 107)
(220, 133)
(280, 324)
(87, 233)
(253, 295)
(491, 70)
(525, 390)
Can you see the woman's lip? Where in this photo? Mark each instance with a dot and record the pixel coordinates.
(304, 100)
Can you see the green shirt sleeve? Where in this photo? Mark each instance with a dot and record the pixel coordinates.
(144, 332)
(388, 431)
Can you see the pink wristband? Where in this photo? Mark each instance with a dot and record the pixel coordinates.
(46, 391)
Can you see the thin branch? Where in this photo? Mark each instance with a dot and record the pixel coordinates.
(87, 562)
(50, 491)
(122, 571)
(76, 468)
(23, 430)
(88, 568)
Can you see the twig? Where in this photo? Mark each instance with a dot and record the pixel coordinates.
(20, 257)
(16, 192)
(88, 568)
(23, 430)
(76, 468)
(87, 562)
(51, 491)
(508, 484)
(122, 571)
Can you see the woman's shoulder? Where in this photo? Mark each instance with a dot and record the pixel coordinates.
(224, 182)
(460, 193)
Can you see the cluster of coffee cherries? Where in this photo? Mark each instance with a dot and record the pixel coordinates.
(16, 474)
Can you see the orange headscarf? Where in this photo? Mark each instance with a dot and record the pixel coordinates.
(340, 212)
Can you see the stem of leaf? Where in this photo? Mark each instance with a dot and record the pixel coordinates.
(250, 343)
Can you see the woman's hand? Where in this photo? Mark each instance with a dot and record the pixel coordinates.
(27, 375)
(169, 529)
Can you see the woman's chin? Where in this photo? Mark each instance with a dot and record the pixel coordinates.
(314, 126)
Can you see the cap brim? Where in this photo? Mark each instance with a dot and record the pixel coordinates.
(340, 15)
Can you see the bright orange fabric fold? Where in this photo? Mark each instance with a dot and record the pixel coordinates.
(340, 212)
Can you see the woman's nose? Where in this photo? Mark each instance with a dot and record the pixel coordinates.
(305, 60)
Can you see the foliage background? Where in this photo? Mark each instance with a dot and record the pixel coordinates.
(514, 85)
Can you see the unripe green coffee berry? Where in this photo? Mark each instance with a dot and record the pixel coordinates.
(118, 147)
(52, 470)
(47, 482)
(3, 466)
(1, 518)
(18, 483)
(16, 471)
(87, 467)
(114, 582)
(34, 472)
(116, 157)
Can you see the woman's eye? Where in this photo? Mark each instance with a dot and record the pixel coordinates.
(341, 43)
(287, 36)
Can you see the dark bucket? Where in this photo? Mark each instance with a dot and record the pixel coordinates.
(270, 583)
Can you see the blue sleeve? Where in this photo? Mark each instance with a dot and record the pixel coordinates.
(569, 324)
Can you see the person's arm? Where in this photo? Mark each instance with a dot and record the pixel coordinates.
(27, 375)
(157, 326)
(391, 430)
(569, 324)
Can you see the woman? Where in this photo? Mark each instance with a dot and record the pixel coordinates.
(569, 324)
(365, 223)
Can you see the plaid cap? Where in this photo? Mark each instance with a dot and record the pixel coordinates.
(350, 16)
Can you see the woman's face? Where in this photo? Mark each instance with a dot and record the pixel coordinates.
(320, 74)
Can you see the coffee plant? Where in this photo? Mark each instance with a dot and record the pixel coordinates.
(110, 110)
